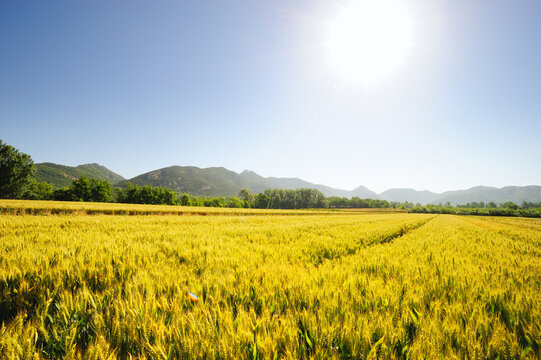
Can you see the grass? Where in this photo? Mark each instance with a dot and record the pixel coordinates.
(275, 284)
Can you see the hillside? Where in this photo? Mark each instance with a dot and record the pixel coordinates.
(215, 181)
(260, 183)
(411, 195)
(62, 175)
(516, 194)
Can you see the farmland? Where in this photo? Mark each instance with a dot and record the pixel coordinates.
(89, 281)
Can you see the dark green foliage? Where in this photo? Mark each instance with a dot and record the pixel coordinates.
(510, 205)
(262, 201)
(94, 190)
(38, 190)
(208, 202)
(85, 189)
(100, 191)
(284, 199)
(62, 194)
(185, 200)
(81, 189)
(356, 203)
(234, 202)
(505, 209)
(134, 194)
(16, 170)
(246, 196)
(310, 198)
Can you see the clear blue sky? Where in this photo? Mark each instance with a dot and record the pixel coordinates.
(141, 85)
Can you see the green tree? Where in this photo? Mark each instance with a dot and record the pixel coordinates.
(510, 205)
(62, 194)
(81, 189)
(234, 202)
(246, 195)
(38, 190)
(16, 171)
(85, 189)
(492, 205)
(262, 201)
(185, 200)
(101, 191)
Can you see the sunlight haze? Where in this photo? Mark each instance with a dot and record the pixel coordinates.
(369, 39)
(416, 94)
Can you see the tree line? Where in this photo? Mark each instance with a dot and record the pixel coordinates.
(358, 203)
(94, 190)
(527, 209)
(284, 199)
(17, 182)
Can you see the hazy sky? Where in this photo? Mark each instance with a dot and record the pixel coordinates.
(141, 85)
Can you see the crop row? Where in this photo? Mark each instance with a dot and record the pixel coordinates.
(321, 286)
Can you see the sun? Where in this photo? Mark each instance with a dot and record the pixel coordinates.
(369, 39)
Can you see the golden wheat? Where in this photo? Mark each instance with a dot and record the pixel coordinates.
(271, 285)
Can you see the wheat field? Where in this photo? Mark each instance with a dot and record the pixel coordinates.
(271, 285)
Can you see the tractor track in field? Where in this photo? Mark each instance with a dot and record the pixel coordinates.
(403, 231)
(378, 241)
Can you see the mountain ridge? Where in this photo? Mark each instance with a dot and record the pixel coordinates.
(220, 181)
(208, 186)
(62, 175)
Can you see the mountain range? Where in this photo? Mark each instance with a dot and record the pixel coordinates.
(219, 181)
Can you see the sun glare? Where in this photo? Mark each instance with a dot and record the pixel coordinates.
(369, 39)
